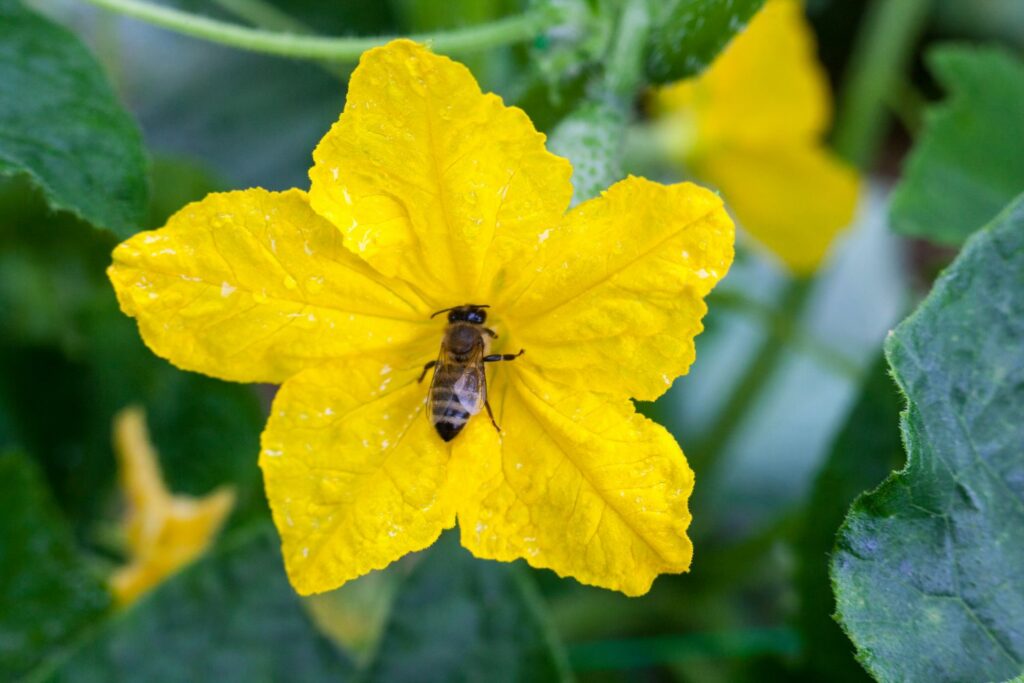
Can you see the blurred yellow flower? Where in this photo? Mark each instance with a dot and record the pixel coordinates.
(428, 194)
(164, 531)
(752, 126)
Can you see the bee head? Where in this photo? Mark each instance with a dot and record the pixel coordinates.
(468, 313)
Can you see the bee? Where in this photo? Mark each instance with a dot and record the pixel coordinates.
(458, 389)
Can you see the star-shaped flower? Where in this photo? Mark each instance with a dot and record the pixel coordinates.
(427, 194)
(164, 531)
(752, 126)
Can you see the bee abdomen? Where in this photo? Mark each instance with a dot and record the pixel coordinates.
(450, 416)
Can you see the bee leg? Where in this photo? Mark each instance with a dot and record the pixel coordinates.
(425, 368)
(503, 356)
(491, 415)
(490, 333)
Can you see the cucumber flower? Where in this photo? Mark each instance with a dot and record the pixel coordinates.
(752, 126)
(426, 195)
(164, 531)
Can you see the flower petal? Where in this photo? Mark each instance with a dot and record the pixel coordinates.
(766, 88)
(794, 201)
(355, 475)
(617, 296)
(253, 286)
(577, 483)
(432, 181)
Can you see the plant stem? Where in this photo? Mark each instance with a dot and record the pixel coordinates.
(625, 63)
(877, 67)
(707, 453)
(645, 652)
(264, 15)
(512, 29)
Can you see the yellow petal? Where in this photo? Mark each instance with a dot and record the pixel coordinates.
(165, 532)
(577, 483)
(617, 291)
(253, 286)
(432, 181)
(766, 88)
(794, 201)
(355, 475)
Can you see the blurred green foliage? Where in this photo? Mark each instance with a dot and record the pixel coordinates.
(71, 360)
(456, 618)
(758, 603)
(49, 596)
(865, 451)
(969, 163)
(232, 616)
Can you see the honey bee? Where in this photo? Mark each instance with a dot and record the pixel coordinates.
(459, 386)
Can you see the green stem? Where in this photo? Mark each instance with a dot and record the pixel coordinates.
(505, 31)
(705, 456)
(264, 15)
(625, 63)
(877, 67)
(646, 652)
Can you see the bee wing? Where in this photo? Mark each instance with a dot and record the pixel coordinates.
(468, 390)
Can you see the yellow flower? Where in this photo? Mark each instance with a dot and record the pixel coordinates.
(428, 194)
(165, 532)
(752, 125)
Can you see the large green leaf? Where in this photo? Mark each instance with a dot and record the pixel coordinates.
(969, 161)
(867, 449)
(230, 617)
(61, 124)
(686, 35)
(47, 597)
(461, 619)
(927, 570)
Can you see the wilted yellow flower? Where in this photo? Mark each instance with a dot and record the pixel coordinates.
(752, 125)
(428, 194)
(165, 532)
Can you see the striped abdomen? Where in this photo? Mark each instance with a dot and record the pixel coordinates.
(456, 394)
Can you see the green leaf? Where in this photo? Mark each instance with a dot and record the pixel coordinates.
(61, 124)
(969, 161)
(232, 616)
(927, 570)
(686, 35)
(865, 451)
(457, 618)
(592, 138)
(47, 597)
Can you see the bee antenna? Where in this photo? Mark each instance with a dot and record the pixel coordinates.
(443, 310)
